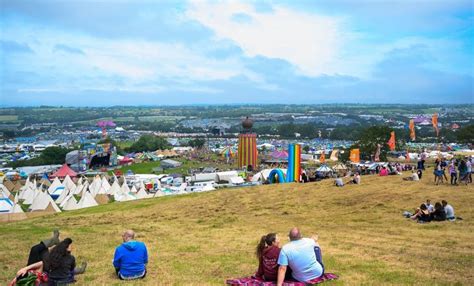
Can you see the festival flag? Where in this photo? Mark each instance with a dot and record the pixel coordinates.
(355, 155)
(407, 157)
(434, 120)
(391, 141)
(322, 158)
(412, 130)
(334, 155)
(377, 154)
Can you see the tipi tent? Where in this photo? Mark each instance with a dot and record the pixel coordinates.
(43, 202)
(86, 201)
(69, 204)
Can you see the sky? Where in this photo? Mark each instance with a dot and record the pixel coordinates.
(105, 53)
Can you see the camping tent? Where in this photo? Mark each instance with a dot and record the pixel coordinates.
(64, 171)
(43, 202)
(86, 201)
(168, 163)
(6, 205)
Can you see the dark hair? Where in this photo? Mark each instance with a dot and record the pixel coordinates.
(444, 202)
(438, 206)
(55, 258)
(265, 240)
(423, 207)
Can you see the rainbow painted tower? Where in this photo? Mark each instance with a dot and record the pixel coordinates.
(294, 163)
(247, 146)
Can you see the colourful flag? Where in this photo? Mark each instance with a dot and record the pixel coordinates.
(391, 141)
(322, 158)
(412, 130)
(355, 155)
(377, 154)
(334, 155)
(407, 157)
(434, 120)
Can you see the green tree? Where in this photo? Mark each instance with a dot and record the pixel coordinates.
(197, 142)
(49, 156)
(374, 135)
(149, 143)
(466, 134)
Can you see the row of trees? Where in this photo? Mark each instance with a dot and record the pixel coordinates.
(50, 156)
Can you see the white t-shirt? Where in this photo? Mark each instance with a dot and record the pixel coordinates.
(449, 211)
(415, 177)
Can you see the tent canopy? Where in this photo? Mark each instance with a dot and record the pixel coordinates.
(64, 171)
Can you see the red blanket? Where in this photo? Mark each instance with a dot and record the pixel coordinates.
(250, 281)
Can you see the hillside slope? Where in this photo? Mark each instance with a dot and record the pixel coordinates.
(202, 239)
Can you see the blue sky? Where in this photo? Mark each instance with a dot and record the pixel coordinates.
(102, 53)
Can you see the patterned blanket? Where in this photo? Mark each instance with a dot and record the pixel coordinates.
(252, 281)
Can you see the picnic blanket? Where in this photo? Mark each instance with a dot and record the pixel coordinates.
(252, 281)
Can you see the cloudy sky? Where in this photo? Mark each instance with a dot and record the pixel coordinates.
(70, 52)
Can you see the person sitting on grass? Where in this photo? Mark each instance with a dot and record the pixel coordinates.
(356, 179)
(303, 256)
(383, 172)
(438, 214)
(267, 253)
(130, 258)
(412, 177)
(422, 214)
(338, 182)
(59, 265)
(40, 250)
(449, 211)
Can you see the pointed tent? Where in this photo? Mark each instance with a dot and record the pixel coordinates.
(9, 185)
(70, 204)
(4, 192)
(68, 183)
(64, 194)
(44, 202)
(29, 196)
(6, 205)
(87, 201)
(133, 190)
(64, 171)
(105, 184)
(142, 194)
(114, 189)
(125, 189)
(56, 183)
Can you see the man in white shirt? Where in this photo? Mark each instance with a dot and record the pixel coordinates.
(449, 211)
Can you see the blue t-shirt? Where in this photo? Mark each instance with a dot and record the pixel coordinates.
(300, 256)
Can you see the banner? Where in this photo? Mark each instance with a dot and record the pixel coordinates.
(355, 155)
(391, 141)
(322, 158)
(377, 153)
(412, 130)
(434, 120)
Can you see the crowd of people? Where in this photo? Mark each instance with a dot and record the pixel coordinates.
(460, 171)
(51, 262)
(441, 211)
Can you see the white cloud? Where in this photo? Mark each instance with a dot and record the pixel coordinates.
(308, 41)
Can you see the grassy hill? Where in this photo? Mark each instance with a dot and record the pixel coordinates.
(202, 239)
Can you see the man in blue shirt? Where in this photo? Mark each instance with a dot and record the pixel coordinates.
(299, 254)
(130, 258)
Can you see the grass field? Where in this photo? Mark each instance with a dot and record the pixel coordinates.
(8, 118)
(202, 239)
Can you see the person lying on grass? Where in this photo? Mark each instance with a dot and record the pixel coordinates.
(412, 177)
(302, 256)
(267, 252)
(59, 265)
(130, 258)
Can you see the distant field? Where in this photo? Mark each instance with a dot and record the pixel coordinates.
(202, 239)
(8, 118)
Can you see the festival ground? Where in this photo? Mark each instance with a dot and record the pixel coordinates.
(204, 238)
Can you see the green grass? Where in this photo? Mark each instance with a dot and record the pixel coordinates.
(8, 118)
(202, 239)
(187, 165)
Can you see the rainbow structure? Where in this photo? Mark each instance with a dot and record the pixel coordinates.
(276, 174)
(248, 150)
(294, 163)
